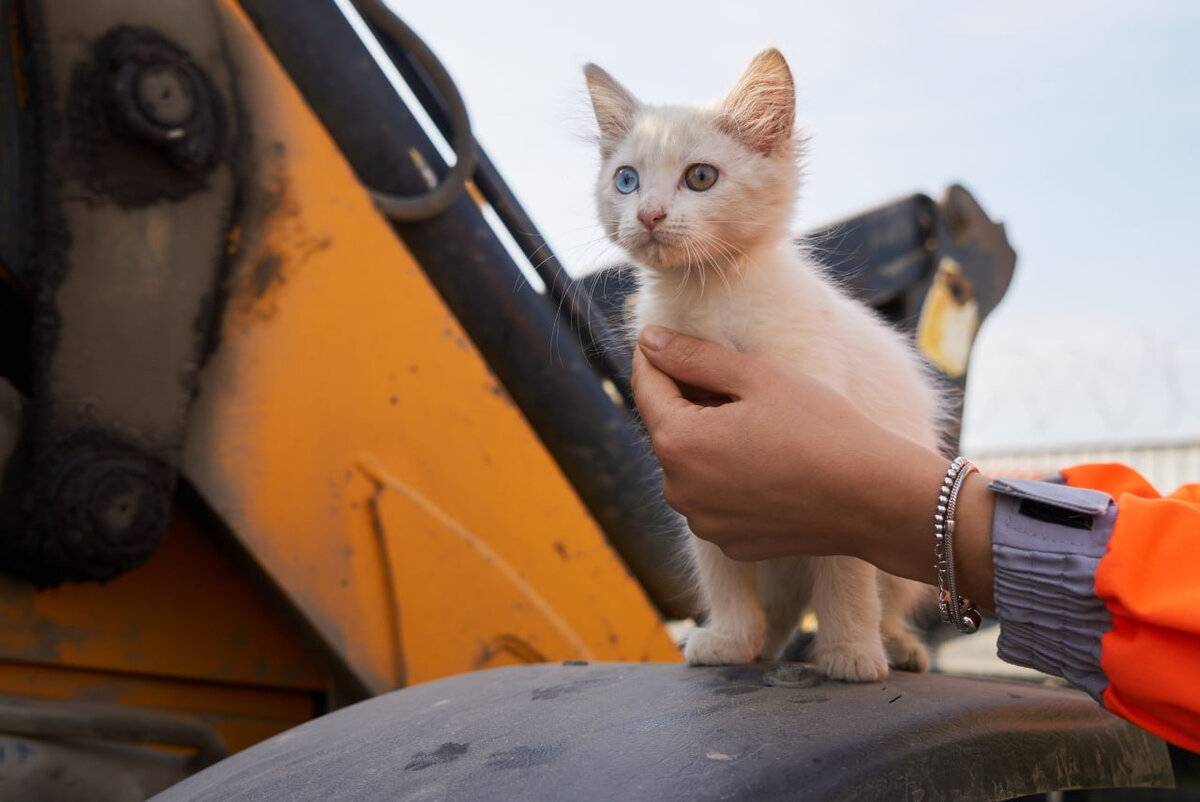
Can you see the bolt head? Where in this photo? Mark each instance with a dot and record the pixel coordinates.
(165, 94)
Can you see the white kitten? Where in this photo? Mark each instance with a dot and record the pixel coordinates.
(701, 197)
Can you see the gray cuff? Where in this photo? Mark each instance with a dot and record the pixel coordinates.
(1047, 540)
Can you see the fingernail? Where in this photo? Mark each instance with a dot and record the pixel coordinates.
(656, 337)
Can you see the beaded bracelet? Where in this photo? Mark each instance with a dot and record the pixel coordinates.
(954, 608)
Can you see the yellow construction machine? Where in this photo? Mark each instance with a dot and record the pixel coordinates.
(285, 427)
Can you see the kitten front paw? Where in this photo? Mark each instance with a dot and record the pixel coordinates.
(906, 653)
(852, 662)
(714, 647)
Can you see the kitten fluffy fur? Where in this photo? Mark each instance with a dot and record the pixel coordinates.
(718, 262)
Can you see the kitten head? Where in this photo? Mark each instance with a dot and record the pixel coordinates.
(685, 187)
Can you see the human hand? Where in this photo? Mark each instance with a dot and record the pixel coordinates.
(786, 465)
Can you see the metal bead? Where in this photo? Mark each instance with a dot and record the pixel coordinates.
(970, 620)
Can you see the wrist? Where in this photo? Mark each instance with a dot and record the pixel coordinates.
(897, 536)
(973, 541)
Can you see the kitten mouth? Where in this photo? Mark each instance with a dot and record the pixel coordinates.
(657, 249)
(657, 254)
(658, 237)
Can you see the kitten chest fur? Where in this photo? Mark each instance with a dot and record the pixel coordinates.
(776, 303)
(770, 303)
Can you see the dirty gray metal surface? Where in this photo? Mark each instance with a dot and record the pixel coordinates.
(72, 751)
(663, 732)
(137, 176)
(83, 770)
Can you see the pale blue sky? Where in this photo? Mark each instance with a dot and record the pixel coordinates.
(1077, 123)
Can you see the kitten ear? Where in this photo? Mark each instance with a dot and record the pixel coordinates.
(761, 109)
(613, 105)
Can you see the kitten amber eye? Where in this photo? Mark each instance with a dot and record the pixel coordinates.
(626, 180)
(700, 177)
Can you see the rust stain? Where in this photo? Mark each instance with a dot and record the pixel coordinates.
(273, 239)
(267, 271)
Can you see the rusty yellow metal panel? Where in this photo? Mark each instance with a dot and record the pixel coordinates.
(242, 715)
(187, 613)
(358, 446)
(187, 633)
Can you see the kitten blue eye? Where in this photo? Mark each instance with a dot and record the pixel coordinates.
(700, 177)
(626, 180)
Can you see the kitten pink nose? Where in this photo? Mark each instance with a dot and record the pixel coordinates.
(651, 218)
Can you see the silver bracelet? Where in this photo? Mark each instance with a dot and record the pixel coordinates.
(954, 608)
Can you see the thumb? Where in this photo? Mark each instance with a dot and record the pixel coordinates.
(658, 398)
(695, 362)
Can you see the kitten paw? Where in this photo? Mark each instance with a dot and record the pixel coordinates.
(712, 647)
(852, 662)
(906, 653)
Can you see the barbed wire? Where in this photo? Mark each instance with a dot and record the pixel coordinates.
(1139, 383)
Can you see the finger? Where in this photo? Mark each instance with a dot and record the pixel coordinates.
(699, 363)
(654, 392)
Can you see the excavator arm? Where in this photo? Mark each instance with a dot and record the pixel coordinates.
(295, 412)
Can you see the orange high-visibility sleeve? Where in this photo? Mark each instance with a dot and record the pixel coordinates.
(1112, 478)
(1149, 580)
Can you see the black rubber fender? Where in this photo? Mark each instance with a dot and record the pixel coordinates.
(667, 731)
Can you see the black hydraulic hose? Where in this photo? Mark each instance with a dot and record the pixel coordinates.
(606, 350)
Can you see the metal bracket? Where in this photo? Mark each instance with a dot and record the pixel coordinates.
(138, 185)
